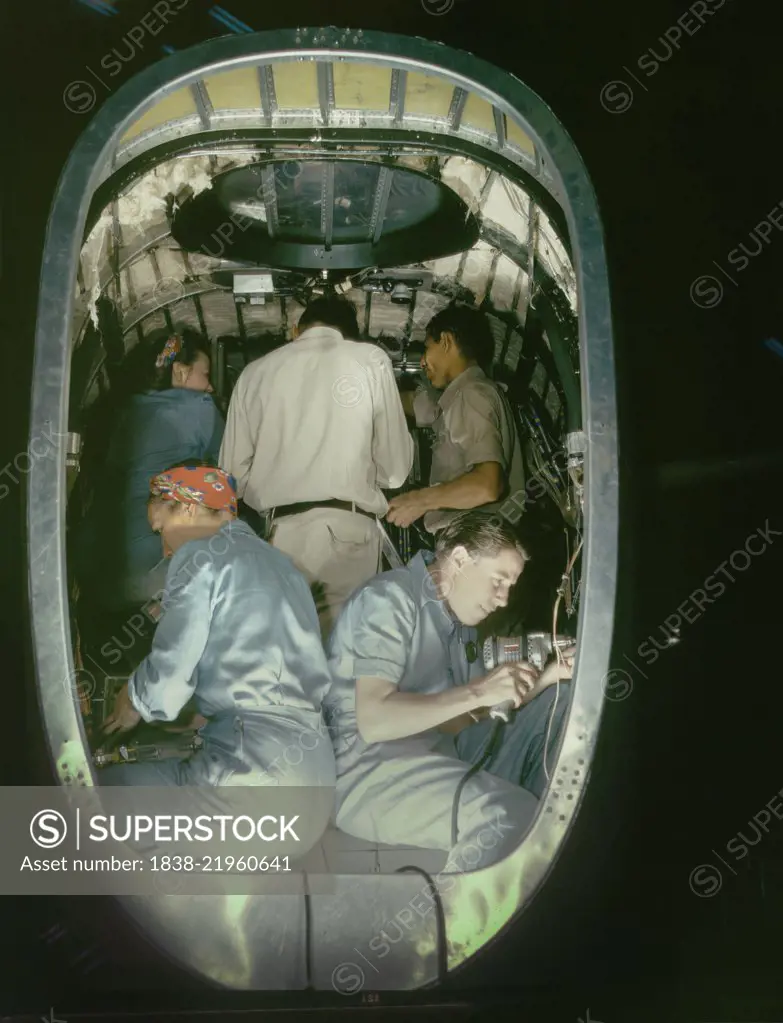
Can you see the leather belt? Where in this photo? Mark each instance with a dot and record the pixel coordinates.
(298, 509)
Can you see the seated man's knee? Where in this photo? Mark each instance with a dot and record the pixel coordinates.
(499, 819)
(549, 706)
(555, 697)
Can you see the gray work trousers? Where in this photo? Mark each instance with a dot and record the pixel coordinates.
(278, 750)
(403, 792)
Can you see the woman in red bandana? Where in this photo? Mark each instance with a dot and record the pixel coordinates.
(239, 637)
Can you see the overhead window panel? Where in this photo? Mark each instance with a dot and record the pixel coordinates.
(234, 90)
(296, 85)
(427, 96)
(361, 86)
(478, 114)
(176, 107)
(517, 136)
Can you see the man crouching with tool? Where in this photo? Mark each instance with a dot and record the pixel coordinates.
(400, 658)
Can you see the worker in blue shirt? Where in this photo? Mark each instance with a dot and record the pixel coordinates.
(407, 718)
(168, 416)
(239, 638)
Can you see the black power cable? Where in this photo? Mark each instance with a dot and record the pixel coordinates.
(493, 745)
(308, 935)
(440, 918)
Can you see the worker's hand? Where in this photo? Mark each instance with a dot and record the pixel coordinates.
(559, 668)
(407, 508)
(509, 682)
(192, 725)
(154, 609)
(124, 716)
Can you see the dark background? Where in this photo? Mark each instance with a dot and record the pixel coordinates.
(682, 177)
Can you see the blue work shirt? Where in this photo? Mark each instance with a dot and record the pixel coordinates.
(156, 429)
(395, 628)
(239, 636)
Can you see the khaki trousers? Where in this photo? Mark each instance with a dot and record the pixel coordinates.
(336, 551)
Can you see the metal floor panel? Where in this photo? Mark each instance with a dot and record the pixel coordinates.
(244, 942)
(375, 932)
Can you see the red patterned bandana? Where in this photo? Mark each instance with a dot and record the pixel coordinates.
(197, 484)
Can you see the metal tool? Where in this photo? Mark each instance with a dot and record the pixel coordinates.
(534, 647)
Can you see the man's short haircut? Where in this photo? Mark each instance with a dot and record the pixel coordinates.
(471, 331)
(481, 533)
(332, 311)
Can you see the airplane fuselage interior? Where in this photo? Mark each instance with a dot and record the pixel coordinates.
(403, 183)
(177, 260)
(233, 239)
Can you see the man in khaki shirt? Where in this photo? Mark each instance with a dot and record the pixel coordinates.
(315, 431)
(477, 455)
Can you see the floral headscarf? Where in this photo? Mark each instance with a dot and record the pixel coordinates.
(197, 484)
(171, 350)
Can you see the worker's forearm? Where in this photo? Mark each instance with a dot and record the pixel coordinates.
(469, 491)
(404, 714)
(459, 724)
